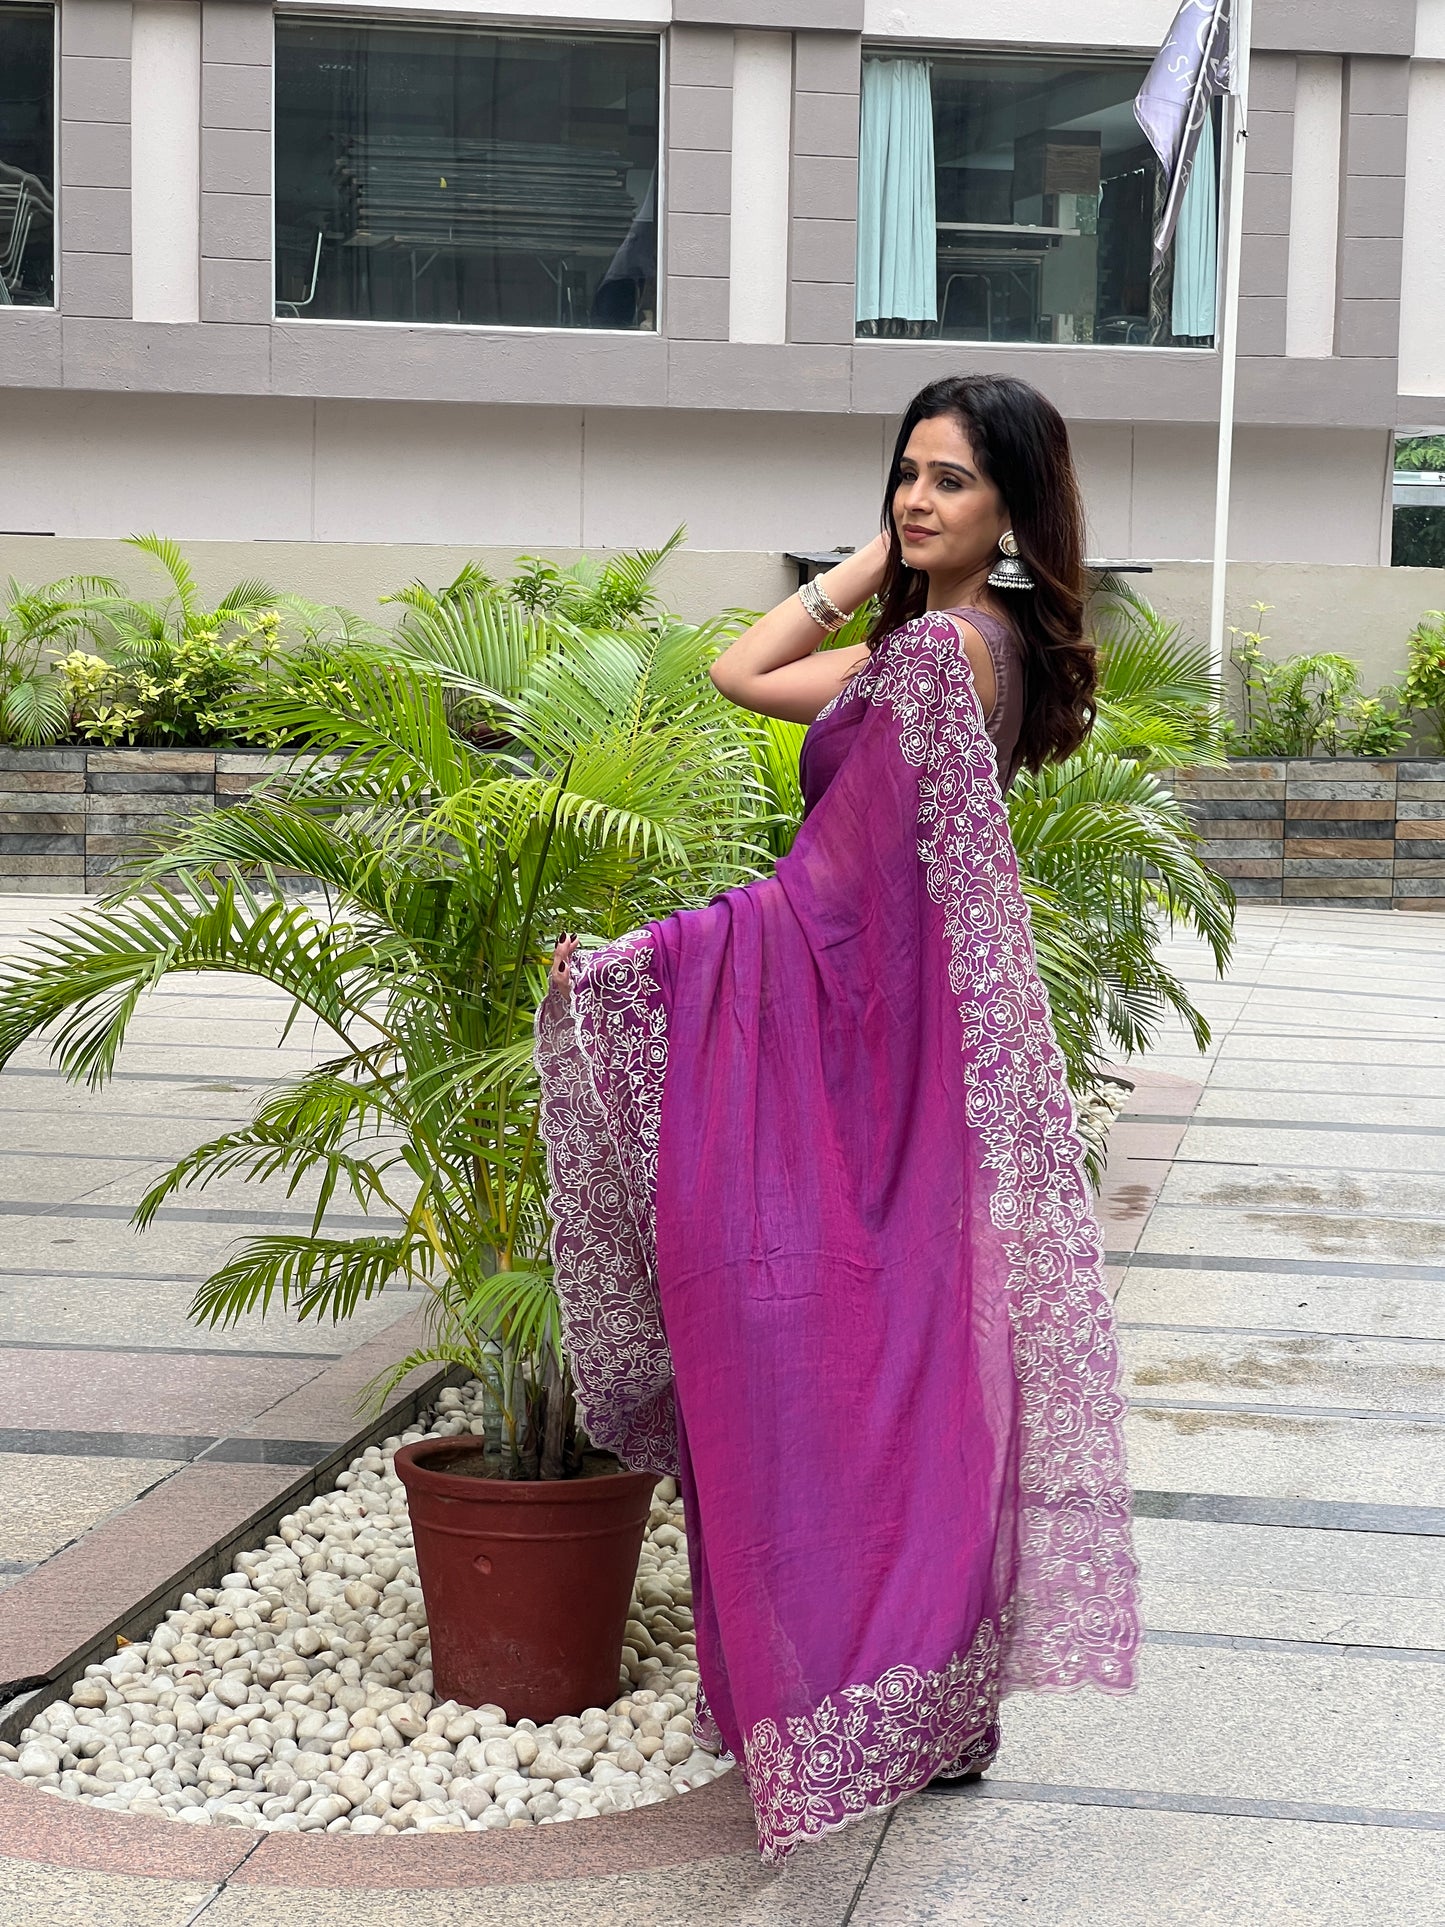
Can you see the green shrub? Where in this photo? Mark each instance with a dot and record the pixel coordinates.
(1423, 690)
(1310, 705)
(35, 624)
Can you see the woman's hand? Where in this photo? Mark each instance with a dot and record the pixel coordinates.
(866, 568)
(559, 979)
(776, 667)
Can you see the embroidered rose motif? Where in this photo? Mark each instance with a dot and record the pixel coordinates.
(828, 1762)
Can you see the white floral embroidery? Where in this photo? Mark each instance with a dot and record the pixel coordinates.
(865, 1747)
(602, 1063)
(1074, 1617)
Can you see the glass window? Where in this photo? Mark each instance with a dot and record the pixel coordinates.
(443, 175)
(27, 157)
(1014, 199)
(1419, 502)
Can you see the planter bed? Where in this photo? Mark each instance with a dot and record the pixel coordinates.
(69, 818)
(1322, 829)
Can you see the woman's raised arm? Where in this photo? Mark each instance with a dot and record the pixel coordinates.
(776, 667)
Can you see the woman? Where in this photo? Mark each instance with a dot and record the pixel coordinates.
(823, 1242)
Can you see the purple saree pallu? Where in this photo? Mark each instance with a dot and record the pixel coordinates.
(825, 1249)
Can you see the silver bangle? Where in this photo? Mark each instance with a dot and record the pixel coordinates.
(821, 607)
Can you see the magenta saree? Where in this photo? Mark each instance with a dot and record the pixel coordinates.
(824, 1248)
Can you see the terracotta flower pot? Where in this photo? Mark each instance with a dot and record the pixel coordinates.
(527, 1584)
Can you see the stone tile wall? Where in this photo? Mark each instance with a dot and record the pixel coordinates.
(69, 817)
(1324, 830)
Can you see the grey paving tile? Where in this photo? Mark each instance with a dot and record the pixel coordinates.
(1373, 1589)
(115, 1132)
(1298, 1234)
(1244, 1725)
(33, 1894)
(99, 1244)
(1313, 1072)
(1300, 1150)
(47, 1501)
(1347, 1048)
(146, 1311)
(1307, 1108)
(1416, 1193)
(58, 1177)
(1283, 1301)
(1317, 1370)
(189, 1392)
(995, 1863)
(218, 1061)
(195, 1035)
(815, 1889)
(1357, 1461)
(209, 1104)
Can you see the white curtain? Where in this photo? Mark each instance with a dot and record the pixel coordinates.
(897, 236)
(1196, 244)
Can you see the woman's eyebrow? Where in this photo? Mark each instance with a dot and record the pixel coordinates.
(958, 467)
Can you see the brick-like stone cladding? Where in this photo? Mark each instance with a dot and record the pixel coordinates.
(69, 818)
(1324, 829)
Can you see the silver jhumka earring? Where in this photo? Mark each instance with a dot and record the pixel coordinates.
(1008, 572)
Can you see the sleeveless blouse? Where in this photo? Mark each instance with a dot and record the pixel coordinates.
(830, 738)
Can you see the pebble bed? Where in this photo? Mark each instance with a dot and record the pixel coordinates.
(298, 1695)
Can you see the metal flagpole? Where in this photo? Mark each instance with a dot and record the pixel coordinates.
(1229, 324)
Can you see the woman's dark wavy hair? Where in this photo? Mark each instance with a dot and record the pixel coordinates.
(1022, 446)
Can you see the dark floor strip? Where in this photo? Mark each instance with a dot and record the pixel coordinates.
(1287, 1267)
(1285, 1124)
(12, 1568)
(1315, 1515)
(102, 1445)
(206, 1080)
(1320, 1648)
(1283, 1331)
(86, 1156)
(187, 1214)
(268, 1452)
(106, 1277)
(155, 1351)
(1036, 1793)
(1285, 1411)
(163, 1445)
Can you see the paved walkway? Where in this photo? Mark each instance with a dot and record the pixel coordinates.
(1283, 1302)
(131, 1438)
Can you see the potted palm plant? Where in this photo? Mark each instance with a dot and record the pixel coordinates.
(616, 787)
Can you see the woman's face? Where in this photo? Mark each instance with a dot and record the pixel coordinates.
(949, 517)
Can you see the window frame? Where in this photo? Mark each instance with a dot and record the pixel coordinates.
(999, 51)
(53, 306)
(401, 18)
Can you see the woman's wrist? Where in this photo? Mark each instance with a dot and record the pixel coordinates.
(850, 583)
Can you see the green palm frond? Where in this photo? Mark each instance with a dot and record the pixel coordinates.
(173, 561)
(478, 645)
(243, 597)
(384, 722)
(35, 712)
(519, 1309)
(1159, 700)
(776, 747)
(316, 1277)
(79, 983)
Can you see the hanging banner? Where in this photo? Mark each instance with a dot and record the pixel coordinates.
(1189, 71)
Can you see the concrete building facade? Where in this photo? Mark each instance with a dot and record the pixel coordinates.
(178, 375)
